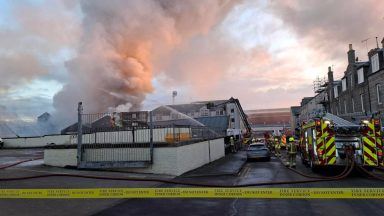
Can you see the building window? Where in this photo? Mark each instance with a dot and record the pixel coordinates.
(219, 112)
(360, 76)
(174, 116)
(375, 63)
(380, 93)
(232, 119)
(205, 112)
(344, 84)
(335, 90)
(345, 106)
(353, 105)
(362, 102)
(232, 110)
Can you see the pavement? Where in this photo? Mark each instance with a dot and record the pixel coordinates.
(231, 164)
(231, 170)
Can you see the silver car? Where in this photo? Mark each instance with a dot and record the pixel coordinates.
(258, 151)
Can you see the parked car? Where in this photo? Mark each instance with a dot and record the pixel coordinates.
(258, 151)
(1, 143)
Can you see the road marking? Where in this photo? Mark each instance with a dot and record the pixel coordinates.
(270, 193)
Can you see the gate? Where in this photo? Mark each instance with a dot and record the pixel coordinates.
(114, 140)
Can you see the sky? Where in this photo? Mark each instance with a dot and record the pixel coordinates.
(133, 54)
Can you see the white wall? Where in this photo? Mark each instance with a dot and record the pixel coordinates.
(167, 160)
(31, 142)
(60, 157)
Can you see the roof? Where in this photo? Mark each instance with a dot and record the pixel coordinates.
(185, 108)
(360, 64)
(6, 131)
(178, 122)
(338, 121)
(276, 110)
(215, 121)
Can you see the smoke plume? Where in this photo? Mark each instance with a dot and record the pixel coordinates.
(125, 43)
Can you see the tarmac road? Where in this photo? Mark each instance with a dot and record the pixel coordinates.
(250, 172)
(259, 172)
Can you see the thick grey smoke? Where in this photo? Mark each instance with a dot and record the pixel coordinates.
(330, 25)
(125, 43)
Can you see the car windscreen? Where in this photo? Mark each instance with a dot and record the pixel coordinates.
(256, 147)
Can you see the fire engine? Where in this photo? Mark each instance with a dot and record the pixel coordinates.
(326, 141)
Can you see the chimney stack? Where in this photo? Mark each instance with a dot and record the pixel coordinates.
(330, 75)
(351, 55)
(330, 90)
(382, 43)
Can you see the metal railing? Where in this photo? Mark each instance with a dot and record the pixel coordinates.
(111, 140)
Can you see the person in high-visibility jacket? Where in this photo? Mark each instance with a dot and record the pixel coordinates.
(291, 147)
(232, 144)
(277, 147)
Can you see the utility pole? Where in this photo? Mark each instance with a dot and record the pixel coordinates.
(377, 43)
(79, 133)
(174, 94)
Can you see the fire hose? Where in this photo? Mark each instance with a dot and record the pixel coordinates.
(348, 169)
(19, 162)
(174, 181)
(370, 174)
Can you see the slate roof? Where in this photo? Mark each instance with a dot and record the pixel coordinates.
(217, 122)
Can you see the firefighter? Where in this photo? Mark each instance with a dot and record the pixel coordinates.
(291, 152)
(277, 147)
(232, 144)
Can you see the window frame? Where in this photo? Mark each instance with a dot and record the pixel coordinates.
(344, 85)
(360, 74)
(375, 63)
(362, 102)
(379, 101)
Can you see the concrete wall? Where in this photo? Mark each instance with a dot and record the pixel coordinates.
(60, 157)
(166, 160)
(31, 142)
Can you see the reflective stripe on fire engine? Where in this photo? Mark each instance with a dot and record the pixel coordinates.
(369, 151)
(330, 145)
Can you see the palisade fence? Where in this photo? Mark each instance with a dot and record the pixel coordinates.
(127, 139)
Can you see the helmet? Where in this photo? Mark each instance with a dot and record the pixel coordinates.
(276, 139)
(291, 139)
(231, 138)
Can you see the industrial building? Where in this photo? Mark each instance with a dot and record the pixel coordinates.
(269, 120)
(225, 115)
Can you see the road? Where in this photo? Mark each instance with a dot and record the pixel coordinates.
(259, 172)
(251, 172)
